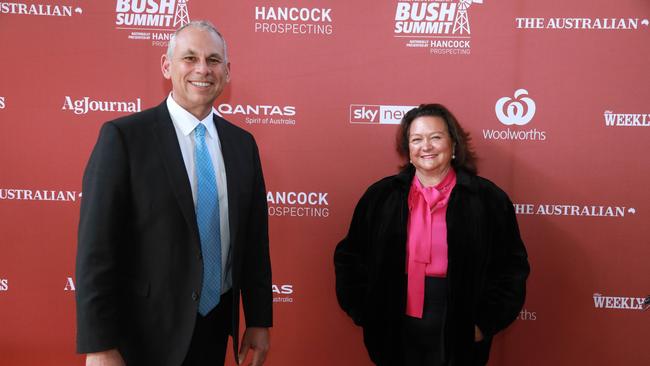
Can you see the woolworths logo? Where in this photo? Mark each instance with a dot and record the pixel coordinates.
(515, 112)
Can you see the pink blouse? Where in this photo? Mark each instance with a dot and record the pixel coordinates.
(426, 244)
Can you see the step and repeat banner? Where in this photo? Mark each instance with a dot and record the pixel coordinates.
(554, 93)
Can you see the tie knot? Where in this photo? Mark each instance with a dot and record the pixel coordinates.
(199, 130)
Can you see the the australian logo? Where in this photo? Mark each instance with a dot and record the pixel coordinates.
(441, 26)
(32, 8)
(151, 20)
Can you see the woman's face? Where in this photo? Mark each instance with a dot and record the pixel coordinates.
(430, 146)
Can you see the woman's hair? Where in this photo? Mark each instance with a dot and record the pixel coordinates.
(465, 158)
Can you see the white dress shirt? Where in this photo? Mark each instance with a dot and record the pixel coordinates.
(184, 124)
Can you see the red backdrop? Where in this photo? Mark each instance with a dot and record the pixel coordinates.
(555, 95)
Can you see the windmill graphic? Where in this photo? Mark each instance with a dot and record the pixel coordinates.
(461, 23)
(181, 17)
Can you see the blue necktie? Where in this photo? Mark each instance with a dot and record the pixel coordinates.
(207, 218)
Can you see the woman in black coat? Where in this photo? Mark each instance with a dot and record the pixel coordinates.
(475, 279)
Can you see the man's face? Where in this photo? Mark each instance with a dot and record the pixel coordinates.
(198, 70)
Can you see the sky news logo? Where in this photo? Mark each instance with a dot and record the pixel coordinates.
(378, 114)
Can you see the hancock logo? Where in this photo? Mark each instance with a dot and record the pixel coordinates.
(2, 102)
(298, 204)
(515, 112)
(620, 303)
(18, 194)
(441, 25)
(581, 23)
(626, 119)
(85, 105)
(260, 114)
(51, 10)
(378, 114)
(151, 20)
(4, 284)
(282, 293)
(572, 210)
(291, 20)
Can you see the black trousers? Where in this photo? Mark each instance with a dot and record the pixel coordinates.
(210, 337)
(422, 338)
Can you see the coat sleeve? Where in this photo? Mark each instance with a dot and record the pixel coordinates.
(257, 296)
(507, 270)
(350, 263)
(102, 225)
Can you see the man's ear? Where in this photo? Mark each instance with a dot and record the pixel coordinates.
(165, 64)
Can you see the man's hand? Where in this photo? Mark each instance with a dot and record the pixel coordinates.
(106, 358)
(258, 340)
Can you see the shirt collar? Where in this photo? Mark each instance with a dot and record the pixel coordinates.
(463, 178)
(186, 121)
(443, 186)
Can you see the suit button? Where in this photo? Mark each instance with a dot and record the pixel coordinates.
(195, 296)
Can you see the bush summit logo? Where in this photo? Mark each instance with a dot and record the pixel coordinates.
(517, 111)
(442, 26)
(151, 20)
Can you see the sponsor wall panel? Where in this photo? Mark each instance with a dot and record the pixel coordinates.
(554, 95)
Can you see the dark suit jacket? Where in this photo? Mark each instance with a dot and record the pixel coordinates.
(139, 264)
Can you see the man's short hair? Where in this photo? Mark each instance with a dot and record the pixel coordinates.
(201, 24)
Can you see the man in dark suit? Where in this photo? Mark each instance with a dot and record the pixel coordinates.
(174, 226)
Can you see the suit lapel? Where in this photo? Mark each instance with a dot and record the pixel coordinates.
(228, 151)
(175, 167)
